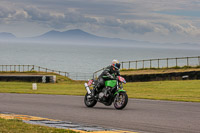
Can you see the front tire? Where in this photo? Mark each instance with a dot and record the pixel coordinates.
(121, 100)
(89, 102)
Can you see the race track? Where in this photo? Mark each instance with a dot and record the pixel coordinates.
(139, 115)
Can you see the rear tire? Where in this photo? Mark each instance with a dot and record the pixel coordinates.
(121, 100)
(89, 102)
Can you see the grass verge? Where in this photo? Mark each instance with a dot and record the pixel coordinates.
(187, 90)
(18, 126)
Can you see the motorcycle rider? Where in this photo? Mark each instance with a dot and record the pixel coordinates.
(111, 72)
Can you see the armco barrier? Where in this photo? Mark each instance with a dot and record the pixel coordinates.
(29, 78)
(165, 76)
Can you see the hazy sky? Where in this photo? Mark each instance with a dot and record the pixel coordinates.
(149, 20)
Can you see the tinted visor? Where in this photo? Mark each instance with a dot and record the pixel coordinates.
(117, 65)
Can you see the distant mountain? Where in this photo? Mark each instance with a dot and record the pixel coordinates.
(77, 36)
(76, 33)
(71, 35)
(5, 35)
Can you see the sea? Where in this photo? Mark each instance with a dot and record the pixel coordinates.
(80, 61)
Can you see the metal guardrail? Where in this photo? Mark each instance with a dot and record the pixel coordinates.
(157, 63)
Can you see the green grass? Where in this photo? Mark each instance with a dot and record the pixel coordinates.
(43, 88)
(186, 90)
(17, 126)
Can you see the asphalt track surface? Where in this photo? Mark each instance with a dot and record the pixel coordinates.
(140, 115)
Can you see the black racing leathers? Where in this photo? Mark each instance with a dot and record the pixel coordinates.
(109, 73)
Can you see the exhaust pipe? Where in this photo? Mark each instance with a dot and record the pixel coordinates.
(87, 88)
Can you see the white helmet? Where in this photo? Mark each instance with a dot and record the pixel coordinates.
(116, 64)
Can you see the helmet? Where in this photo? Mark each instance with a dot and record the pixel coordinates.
(116, 64)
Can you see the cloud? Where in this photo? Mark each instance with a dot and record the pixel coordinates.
(101, 16)
(5, 12)
(140, 27)
(179, 28)
(51, 19)
(8, 15)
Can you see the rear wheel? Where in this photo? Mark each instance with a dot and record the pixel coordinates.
(121, 100)
(89, 101)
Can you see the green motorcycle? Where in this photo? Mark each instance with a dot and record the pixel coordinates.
(112, 93)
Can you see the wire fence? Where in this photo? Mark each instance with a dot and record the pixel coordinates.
(138, 64)
(31, 68)
(163, 62)
(80, 76)
(157, 63)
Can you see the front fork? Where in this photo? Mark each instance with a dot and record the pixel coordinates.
(87, 88)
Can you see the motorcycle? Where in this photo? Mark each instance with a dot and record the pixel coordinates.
(112, 93)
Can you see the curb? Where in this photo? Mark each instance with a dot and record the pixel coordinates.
(60, 124)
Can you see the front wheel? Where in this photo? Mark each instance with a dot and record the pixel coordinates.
(121, 100)
(89, 102)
